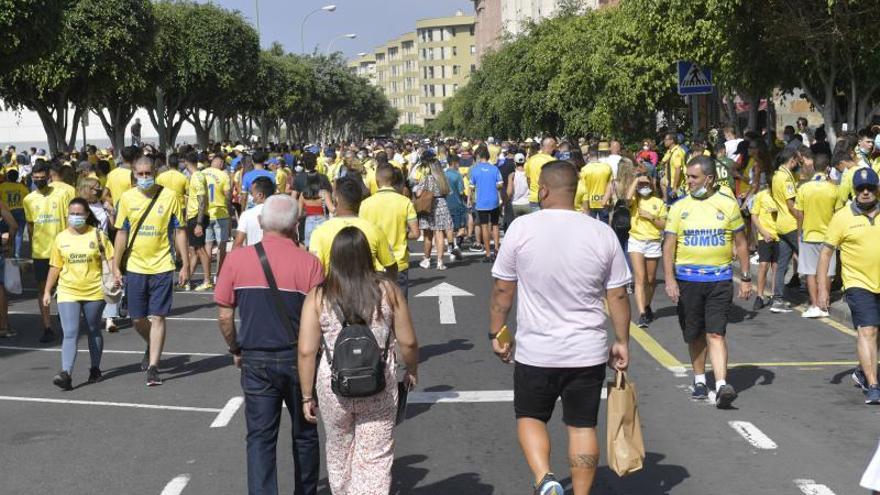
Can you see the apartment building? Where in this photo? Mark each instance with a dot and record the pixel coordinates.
(420, 69)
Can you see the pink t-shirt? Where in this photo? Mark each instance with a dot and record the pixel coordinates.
(563, 262)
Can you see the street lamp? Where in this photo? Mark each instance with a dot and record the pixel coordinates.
(302, 28)
(350, 36)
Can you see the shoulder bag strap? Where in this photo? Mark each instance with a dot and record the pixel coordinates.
(100, 244)
(276, 296)
(143, 217)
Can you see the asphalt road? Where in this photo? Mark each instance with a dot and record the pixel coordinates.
(800, 416)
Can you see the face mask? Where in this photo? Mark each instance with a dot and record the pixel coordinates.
(42, 183)
(298, 169)
(645, 191)
(76, 221)
(866, 206)
(700, 193)
(646, 147)
(877, 142)
(145, 183)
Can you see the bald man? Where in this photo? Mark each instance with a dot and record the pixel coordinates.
(533, 169)
(560, 299)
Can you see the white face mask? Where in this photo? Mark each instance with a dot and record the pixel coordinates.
(646, 147)
(645, 191)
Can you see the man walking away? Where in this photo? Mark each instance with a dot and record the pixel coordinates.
(815, 200)
(784, 191)
(486, 181)
(262, 347)
(561, 348)
(697, 259)
(249, 231)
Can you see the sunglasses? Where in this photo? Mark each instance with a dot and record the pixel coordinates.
(872, 189)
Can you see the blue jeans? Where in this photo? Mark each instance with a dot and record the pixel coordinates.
(69, 313)
(312, 222)
(403, 281)
(600, 214)
(787, 248)
(268, 380)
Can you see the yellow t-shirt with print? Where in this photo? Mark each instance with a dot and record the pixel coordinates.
(845, 189)
(596, 177)
(281, 176)
(704, 230)
(391, 212)
(198, 187)
(118, 181)
(765, 210)
(48, 213)
(784, 187)
(674, 159)
(79, 258)
(856, 236)
(218, 189)
(817, 200)
(151, 252)
(322, 240)
(65, 190)
(580, 195)
(642, 229)
(174, 180)
(12, 195)
(533, 172)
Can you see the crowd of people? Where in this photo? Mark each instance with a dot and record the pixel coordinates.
(115, 233)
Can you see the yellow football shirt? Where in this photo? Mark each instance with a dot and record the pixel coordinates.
(704, 230)
(391, 212)
(65, 190)
(151, 252)
(784, 187)
(674, 159)
(175, 181)
(281, 180)
(596, 177)
(79, 258)
(218, 189)
(857, 237)
(197, 187)
(642, 229)
(845, 189)
(119, 180)
(817, 200)
(764, 208)
(48, 213)
(12, 194)
(322, 240)
(580, 195)
(533, 172)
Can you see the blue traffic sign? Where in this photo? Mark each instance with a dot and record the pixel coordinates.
(693, 79)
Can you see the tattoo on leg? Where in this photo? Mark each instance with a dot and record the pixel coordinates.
(587, 461)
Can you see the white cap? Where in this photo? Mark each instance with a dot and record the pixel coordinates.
(519, 158)
(491, 140)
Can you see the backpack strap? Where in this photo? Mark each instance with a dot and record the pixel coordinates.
(283, 315)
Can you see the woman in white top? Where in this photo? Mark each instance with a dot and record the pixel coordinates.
(518, 188)
(90, 189)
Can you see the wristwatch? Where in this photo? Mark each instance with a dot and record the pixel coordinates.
(235, 350)
(492, 336)
(745, 277)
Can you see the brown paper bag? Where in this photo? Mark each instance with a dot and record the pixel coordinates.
(626, 449)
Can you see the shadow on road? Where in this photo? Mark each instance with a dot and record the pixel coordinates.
(415, 282)
(655, 478)
(174, 367)
(407, 475)
(745, 377)
(434, 350)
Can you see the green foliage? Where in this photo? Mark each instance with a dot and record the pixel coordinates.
(411, 130)
(30, 29)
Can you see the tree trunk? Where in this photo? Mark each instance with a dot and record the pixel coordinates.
(754, 106)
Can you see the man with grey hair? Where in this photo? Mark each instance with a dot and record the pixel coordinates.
(263, 345)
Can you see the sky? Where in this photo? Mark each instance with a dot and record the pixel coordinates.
(374, 21)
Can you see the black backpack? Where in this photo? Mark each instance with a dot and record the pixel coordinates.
(357, 364)
(620, 219)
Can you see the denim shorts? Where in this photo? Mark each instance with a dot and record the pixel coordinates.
(218, 230)
(149, 295)
(864, 306)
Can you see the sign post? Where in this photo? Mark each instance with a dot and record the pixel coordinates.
(694, 80)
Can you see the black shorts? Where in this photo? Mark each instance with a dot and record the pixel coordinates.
(535, 391)
(488, 217)
(194, 241)
(768, 252)
(704, 307)
(864, 306)
(41, 270)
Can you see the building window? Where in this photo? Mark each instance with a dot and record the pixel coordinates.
(473, 50)
(454, 51)
(455, 69)
(454, 88)
(472, 29)
(473, 68)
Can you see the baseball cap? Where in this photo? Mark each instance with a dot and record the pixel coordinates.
(239, 148)
(519, 158)
(491, 140)
(465, 145)
(603, 146)
(865, 177)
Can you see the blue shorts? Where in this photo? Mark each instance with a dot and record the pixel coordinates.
(218, 230)
(864, 306)
(459, 216)
(149, 295)
(41, 270)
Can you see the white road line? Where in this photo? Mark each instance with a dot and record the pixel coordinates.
(111, 351)
(753, 435)
(168, 318)
(176, 486)
(467, 396)
(466, 254)
(111, 404)
(227, 412)
(810, 487)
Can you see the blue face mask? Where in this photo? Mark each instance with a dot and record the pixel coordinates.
(145, 183)
(76, 221)
(700, 193)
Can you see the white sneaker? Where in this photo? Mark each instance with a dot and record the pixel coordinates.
(814, 312)
(425, 263)
(754, 259)
(441, 266)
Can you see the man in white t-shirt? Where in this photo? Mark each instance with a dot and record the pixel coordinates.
(614, 157)
(249, 231)
(731, 142)
(562, 265)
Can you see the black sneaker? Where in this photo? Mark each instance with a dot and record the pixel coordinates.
(489, 259)
(780, 306)
(701, 392)
(48, 336)
(758, 304)
(549, 485)
(643, 321)
(145, 362)
(858, 376)
(649, 313)
(725, 396)
(153, 379)
(456, 253)
(794, 283)
(476, 248)
(95, 375)
(63, 381)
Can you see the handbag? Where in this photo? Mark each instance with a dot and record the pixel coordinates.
(123, 263)
(112, 292)
(424, 202)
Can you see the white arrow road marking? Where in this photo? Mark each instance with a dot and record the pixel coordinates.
(227, 412)
(810, 487)
(753, 435)
(444, 293)
(467, 396)
(176, 486)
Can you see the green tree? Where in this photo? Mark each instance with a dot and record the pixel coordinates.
(30, 28)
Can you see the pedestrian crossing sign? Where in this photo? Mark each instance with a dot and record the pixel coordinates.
(693, 79)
